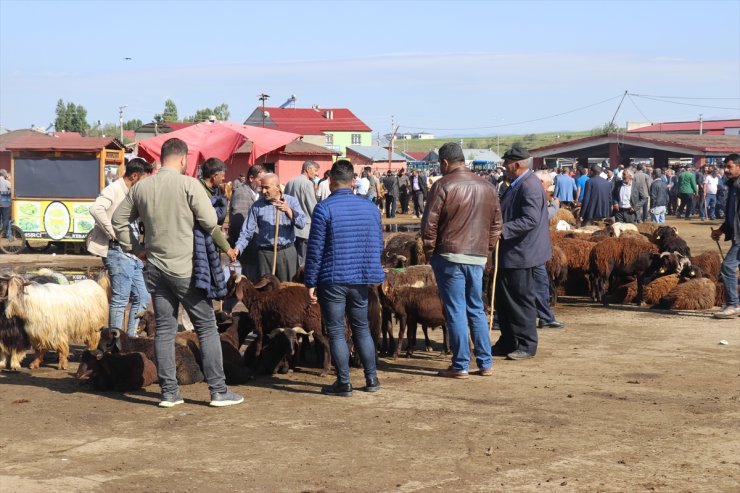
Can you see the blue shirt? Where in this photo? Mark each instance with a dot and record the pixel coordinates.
(731, 206)
(262, 218)
(565, 188)
(581, 183)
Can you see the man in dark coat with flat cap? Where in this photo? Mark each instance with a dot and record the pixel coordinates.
(524, 245)
(596, 197)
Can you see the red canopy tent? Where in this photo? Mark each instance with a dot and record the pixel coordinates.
(217, 139)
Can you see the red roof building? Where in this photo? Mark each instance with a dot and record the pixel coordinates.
(707, 127)
(286, 163)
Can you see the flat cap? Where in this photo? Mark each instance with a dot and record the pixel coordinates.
(516, 153)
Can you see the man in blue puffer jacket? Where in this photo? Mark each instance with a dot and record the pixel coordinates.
(343, 257)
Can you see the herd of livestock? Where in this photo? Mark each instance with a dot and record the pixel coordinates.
(279, 329)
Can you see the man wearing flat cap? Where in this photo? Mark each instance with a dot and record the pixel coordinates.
(525, 244)
(596, 197)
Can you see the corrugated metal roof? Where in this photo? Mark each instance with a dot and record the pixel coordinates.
(707, 125)
(375, 153)
(481, 155)
(295, 147)
(9, 137)
(310, 121)
(46, 143)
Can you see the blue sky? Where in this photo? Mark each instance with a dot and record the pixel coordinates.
(448, 67)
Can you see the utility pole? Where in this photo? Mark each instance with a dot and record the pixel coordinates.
(263, 97)
(120, 119)
(701, 123)
(394, 129)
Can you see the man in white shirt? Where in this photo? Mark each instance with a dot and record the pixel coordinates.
(710, 192)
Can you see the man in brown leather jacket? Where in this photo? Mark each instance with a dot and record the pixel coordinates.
(460, 227)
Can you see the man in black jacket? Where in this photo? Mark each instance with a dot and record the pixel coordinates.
(627, 198)
(524, 245)
(658, 197)
(731, 230)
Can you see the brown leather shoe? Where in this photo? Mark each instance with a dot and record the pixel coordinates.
(451, 373)
(485, 372)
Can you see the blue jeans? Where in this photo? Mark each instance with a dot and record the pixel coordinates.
(461, 291)
(4, 219)
(351, 300)
(728, 272)
(126, 279)
(657, 214)
(542, 292)
(167, 294)
(711, 201)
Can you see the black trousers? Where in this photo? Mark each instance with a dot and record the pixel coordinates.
(687, 204)
(517, 314)
(404, 199)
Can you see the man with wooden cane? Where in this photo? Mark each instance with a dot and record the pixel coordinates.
(460, 227)
(275, 215)
(731, 229)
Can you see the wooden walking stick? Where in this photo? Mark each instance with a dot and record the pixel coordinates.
(275, 248)
(493, 287)
(718, 246)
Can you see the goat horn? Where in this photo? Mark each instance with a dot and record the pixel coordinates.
(301, 331)
(664, 254)
(275, 332)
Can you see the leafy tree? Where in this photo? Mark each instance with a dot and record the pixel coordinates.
(607, 128)
(132, 124)
(170, 111)
(221, 112)
(61, 122)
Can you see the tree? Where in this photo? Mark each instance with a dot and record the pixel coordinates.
(132, 124)
(607, 128)
(61, 122)
(221, 112)
(170, 111)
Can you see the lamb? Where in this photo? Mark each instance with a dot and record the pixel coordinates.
(557, 270)
(577, 254)
(660, 287)
(618, 256)
(54, 315)
(668, 240)
(278, 353)
(286, 307)
(416, 276)
(115, 371)
(417, 305)
(565, 215)
(696, 294)
(187, 369)
(710, 264)
(616, 229)
(402, 250)
(648, 229)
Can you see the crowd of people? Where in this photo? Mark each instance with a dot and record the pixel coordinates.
(331, 228)
(636, 193)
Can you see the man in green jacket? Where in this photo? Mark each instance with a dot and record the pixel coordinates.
(170, 204)
(686, 190)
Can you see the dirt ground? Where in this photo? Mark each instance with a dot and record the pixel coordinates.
(623, 399)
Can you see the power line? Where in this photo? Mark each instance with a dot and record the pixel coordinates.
(520, 122)
(686, 104)
(679, 97)
(638, 109)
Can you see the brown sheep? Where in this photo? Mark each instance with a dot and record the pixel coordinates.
(417, 276)
(647, 229)
(709, 263)
(286, 307)
(563, 214)
(557, 270)
(624, 294)
(618, 256)
(577, 253)
(660, 287)
(417, 305)
(696, 294)
(399, 251)
(116, 371)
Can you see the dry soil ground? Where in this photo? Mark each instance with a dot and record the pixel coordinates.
(623, 399)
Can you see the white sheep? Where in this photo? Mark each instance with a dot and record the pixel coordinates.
(617, 229)
(56, 315)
